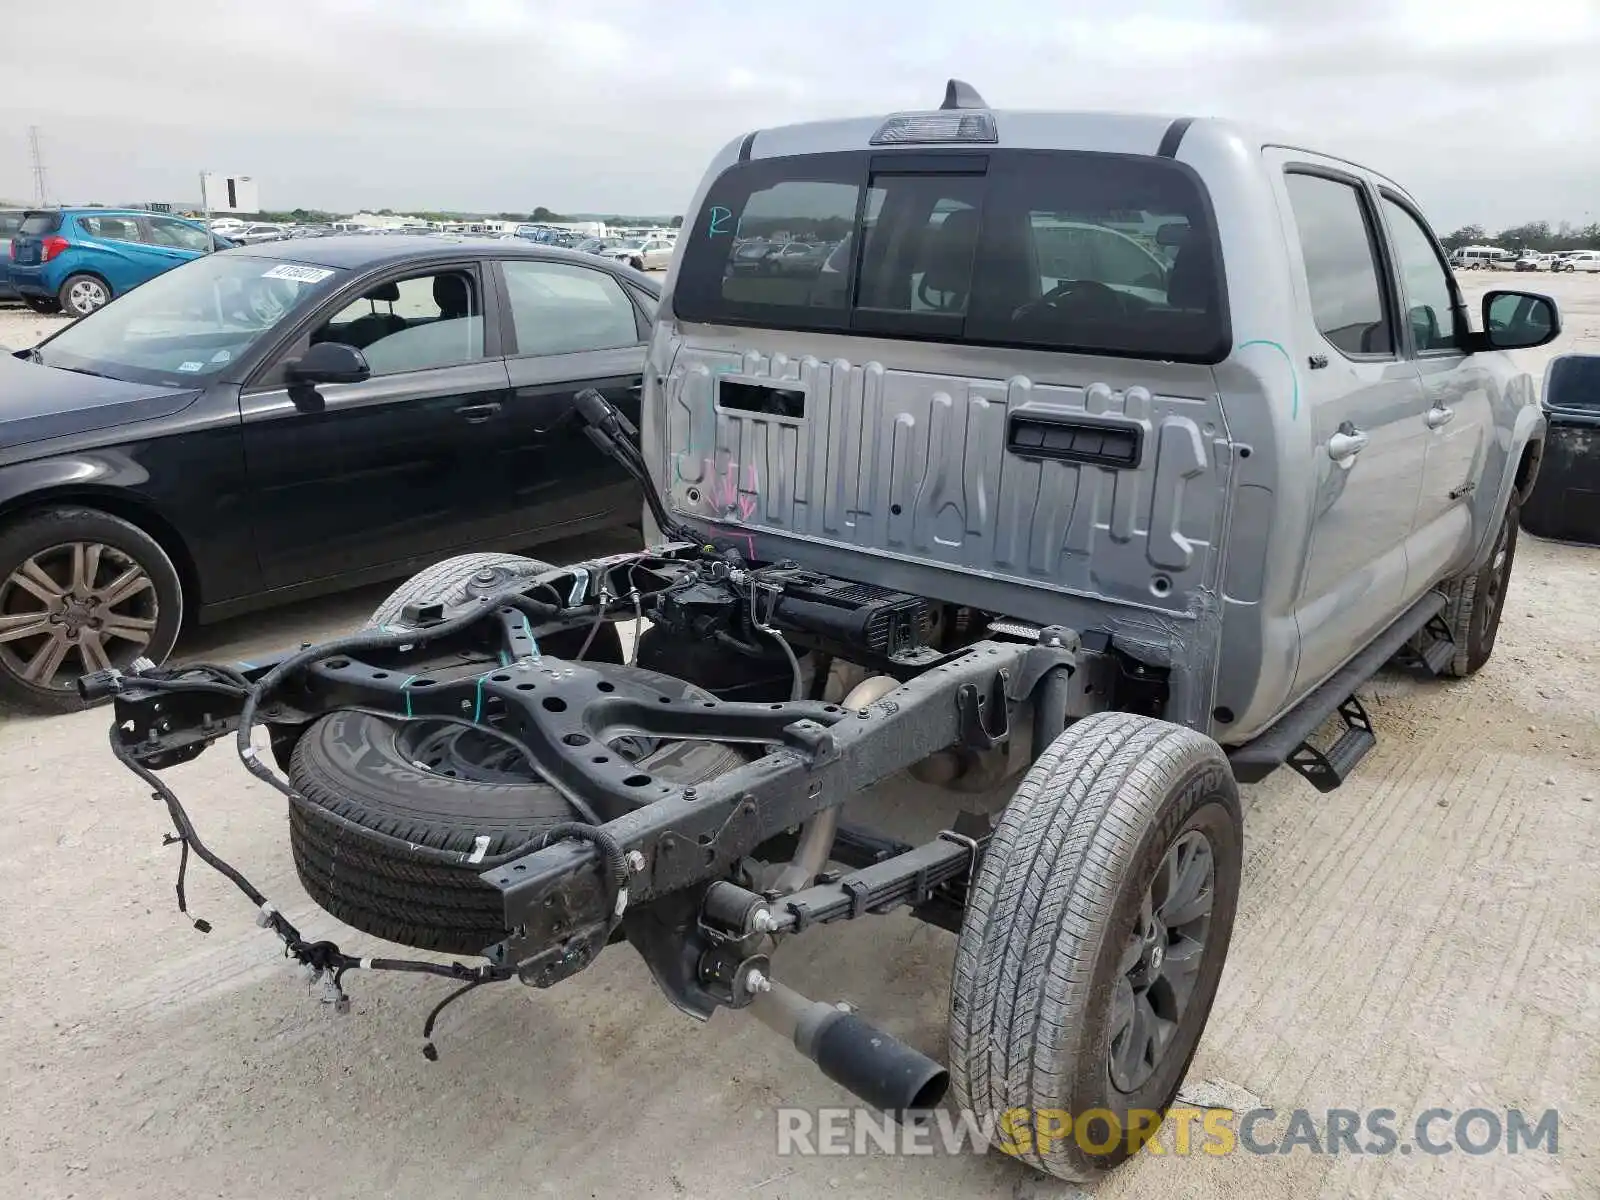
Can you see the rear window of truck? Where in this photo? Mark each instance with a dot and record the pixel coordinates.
(1088, 253)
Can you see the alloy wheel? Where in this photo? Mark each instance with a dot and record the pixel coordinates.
(1497, 576)
(1161, 961)
(72, 609)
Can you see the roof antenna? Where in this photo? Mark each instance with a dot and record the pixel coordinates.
(958, 94)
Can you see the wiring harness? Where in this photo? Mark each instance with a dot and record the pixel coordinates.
(325, 961)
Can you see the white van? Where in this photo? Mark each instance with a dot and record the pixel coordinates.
(1471, 258)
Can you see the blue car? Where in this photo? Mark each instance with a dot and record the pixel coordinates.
(79, 259)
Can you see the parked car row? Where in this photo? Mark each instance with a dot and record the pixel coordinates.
(1493, 258)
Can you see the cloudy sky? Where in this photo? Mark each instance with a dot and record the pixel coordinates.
(1485, 109)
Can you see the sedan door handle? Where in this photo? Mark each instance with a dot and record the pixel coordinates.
(474, 414)
(560, 421)
(1346, 444)
(1438, 416)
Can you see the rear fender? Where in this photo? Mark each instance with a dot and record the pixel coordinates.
(1529, 430)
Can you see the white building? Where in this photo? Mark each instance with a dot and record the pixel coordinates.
(587, 228)
(368, 220)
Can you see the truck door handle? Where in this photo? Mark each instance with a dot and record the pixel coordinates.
(475, 414)
(1346, 444)
(1439, 415)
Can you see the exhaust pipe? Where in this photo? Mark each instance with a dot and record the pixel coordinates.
(867, 1062)
(816, 838)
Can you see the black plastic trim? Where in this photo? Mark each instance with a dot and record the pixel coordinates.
(1267, 751)
(1173, 137)
(1101, 443)
(746, 145)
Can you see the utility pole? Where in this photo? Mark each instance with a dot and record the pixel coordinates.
(41, 191)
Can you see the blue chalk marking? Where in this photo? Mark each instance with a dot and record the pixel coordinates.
(477, 709)
(718, 225)
(404, 684)
(528, 629)
(1294, 411)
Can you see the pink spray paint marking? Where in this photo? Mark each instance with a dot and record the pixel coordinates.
(725, 492)
(748, 539)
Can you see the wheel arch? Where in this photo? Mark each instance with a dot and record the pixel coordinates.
(1516, 481)
(1527, 473)
(128, 507)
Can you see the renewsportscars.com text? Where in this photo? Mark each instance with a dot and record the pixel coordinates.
(1184, 1132)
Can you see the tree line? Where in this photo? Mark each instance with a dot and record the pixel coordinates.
(1534, 235)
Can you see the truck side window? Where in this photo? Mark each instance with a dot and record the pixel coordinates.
(1429, 303)
(1340, 253)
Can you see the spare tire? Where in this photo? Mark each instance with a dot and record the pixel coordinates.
(458, 580)
(430, 784)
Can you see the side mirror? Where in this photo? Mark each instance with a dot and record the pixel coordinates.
(1519, 321)
(330, 362)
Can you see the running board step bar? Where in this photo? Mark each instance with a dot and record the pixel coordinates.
(1288, 741)
(1432, 648)
(1326, 770)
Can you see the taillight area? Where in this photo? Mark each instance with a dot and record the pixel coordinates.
(50, 247)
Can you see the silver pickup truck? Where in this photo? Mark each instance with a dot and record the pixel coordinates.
(1083, 466)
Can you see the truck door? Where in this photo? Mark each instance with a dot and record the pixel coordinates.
(1460, 391)
(1361, 403)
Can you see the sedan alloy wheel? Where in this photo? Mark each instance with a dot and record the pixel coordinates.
(75, 608)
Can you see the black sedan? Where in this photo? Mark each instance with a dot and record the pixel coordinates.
(294, 418)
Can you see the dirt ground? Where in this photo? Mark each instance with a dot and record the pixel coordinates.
(1423, 937)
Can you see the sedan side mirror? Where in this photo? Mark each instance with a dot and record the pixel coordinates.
(329, 362)
(1519, 321)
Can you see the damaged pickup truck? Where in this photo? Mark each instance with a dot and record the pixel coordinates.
(1097, 461)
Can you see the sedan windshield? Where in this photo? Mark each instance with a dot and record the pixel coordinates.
(186, 326)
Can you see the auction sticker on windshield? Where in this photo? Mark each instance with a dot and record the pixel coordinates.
(297, 273)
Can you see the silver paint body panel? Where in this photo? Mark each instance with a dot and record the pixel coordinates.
(1239, 554)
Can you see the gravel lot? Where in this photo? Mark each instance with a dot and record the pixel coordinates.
(1423, 937)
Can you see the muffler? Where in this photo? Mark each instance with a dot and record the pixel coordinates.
(878, 1068)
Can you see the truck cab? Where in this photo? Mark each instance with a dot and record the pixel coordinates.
(1200, 390)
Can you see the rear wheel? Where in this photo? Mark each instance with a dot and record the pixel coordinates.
(83, 294)
(80, 591)
(1093, 942)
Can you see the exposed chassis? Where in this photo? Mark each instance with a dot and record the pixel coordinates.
(677, 841)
